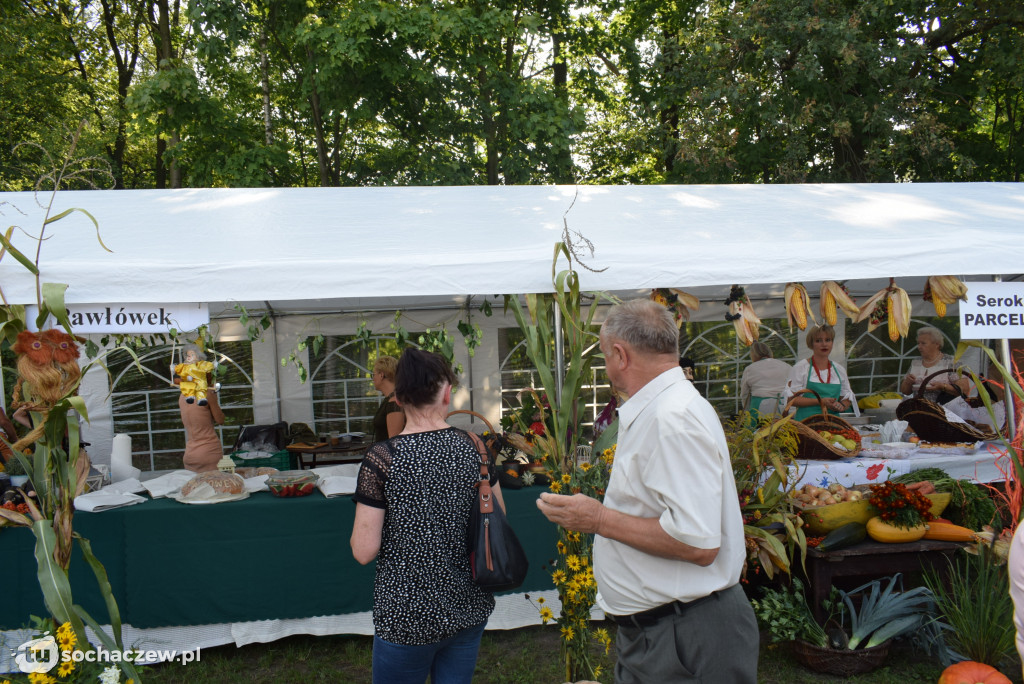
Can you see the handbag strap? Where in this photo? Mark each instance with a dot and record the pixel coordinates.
(484, 496)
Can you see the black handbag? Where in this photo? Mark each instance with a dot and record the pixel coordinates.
(496, 558)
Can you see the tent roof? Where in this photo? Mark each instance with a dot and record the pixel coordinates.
(357, 248)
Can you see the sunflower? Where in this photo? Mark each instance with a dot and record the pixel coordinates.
(66, 668)
(546, 615)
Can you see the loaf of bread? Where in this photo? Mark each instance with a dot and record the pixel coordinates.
(222, 483)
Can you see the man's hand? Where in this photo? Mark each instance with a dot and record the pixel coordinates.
(578, 512)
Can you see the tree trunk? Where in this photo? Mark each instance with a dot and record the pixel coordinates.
(161, 170)
(165, 56)
(125, 66)
(318, 123)
(563, 162)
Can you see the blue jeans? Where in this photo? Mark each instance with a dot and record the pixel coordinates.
(451, 661)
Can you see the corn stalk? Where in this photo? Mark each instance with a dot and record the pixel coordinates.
(557, 447)
(1013, 496)
(57, 475)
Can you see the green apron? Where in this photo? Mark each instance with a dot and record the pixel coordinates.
(827, 390)
(755, 402)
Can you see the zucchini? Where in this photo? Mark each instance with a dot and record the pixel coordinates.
(845, 535)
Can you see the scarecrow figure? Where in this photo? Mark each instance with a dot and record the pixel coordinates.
(193, 376)
(48, 371)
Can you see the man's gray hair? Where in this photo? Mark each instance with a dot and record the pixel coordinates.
(643, 324)
(934, 333)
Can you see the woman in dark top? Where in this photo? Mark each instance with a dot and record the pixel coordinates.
(413, 502)
(389, 419)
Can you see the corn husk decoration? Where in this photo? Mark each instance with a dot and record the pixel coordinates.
(833, 297)
(942, 291)
(678, 302)
(742, 315)
(890, 304)
(798, 306)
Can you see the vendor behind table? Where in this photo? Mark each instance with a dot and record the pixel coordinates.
(941, 389)
(822, 375)
(763, 381)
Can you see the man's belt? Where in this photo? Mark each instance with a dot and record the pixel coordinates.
(648, 617)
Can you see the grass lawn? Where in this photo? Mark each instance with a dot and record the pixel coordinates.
(521, 656)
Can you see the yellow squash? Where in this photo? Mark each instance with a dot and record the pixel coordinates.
(881, 531)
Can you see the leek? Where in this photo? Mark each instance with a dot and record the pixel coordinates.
(884, 610)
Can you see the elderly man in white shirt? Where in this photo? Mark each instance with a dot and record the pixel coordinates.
(669, 545)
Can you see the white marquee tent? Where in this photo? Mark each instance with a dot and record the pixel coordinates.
(324, 260)
(332, 255)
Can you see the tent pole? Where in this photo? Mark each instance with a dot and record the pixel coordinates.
(277, 367)
(559, 355)
(469, 359)
(1004, 355)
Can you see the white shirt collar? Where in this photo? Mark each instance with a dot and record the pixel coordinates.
(636, 404)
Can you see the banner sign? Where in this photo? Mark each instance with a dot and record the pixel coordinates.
(993, 311)
(133, 319)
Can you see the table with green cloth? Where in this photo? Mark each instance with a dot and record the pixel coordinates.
(261, 558)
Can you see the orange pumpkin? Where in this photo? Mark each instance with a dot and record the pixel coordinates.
(970, 672)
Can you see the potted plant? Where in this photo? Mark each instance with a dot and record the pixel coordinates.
(852, 640)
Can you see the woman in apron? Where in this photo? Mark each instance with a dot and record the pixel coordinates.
(820, 374)
(763, 381)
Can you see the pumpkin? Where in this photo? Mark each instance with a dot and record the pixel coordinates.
(970, 672)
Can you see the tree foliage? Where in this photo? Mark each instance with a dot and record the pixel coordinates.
(240, 93)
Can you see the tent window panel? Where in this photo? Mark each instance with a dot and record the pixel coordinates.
(518, 373)
(145, 404)
(326, 390)
(720, 358)
(343, 395)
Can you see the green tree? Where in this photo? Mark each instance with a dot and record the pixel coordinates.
(772, 91)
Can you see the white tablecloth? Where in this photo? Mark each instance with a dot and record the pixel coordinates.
(985, 465)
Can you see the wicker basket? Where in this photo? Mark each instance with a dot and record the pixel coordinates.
(840, 661)
(490, 428)
(811, 445)
(928, 419)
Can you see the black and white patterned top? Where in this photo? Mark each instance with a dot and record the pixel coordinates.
(423, 591)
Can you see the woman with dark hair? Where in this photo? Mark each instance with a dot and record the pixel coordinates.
(413, 501)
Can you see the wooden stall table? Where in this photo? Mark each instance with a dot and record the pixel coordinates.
(322, 453)
(871, 560)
